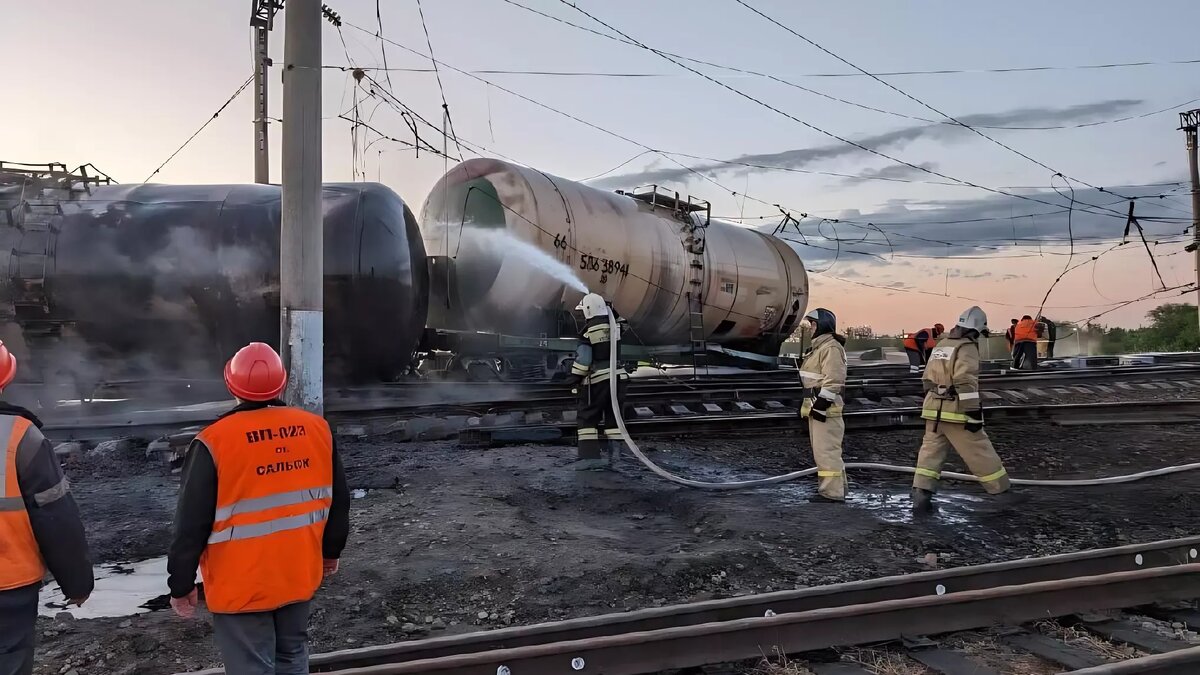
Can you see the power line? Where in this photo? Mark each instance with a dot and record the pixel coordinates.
(441, 89)
(809, 125)
(914, 99)
(940, 71)
(208, 121)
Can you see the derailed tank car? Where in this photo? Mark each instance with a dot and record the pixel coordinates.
(504, 241)
(167, 281)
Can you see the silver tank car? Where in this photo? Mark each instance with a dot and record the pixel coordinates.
(507, 244)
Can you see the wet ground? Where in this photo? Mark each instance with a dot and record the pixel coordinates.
(449, 540)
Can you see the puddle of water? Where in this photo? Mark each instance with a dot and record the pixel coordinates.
(122, 589)
(890, 506)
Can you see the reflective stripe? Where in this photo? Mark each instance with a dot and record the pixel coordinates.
(968, 396)
(6, 428)
(271, 501)
(993, 476)
(946, 416)
(827, 394)
(587, 433)
(53, 494)
(928, 473)
(269, 527)
(613, 433)
(824, 474)
(12, 504)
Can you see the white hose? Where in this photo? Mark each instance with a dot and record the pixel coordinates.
(757, 482)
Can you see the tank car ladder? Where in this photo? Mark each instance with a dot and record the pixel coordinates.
(35, 217)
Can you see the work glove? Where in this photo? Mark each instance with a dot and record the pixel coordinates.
(329, 567)
(185, 607)
(975, 421)
(819, 406)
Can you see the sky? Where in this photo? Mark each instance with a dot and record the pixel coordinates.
(130, 80)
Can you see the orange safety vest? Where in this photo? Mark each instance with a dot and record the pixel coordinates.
(1026, 331)
(20, 558)
(910, 341)
(274, 488)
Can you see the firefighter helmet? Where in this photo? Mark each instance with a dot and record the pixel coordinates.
(592, 305)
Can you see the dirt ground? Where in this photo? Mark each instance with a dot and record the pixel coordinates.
(449, 540)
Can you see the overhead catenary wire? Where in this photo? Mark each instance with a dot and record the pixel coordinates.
(912, 98)
(237, 92)
(437, 73)
(802, 122)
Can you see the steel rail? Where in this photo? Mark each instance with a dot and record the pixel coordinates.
(650, 651)
(1133, 557)
(1180, 662)
(1117, 412)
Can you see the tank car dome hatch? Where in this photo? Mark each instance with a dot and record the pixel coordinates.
(649, 258)
(146, 281)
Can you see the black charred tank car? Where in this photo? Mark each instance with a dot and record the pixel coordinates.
(147, 282)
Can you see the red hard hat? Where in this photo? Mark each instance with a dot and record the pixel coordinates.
(8, 366)
(255, 373)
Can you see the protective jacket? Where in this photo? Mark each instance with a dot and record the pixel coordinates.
(951, 381)
(264, 499)
(40, 526)
(1025, 331)
(594, 352)
(920, 340)
(828, 358)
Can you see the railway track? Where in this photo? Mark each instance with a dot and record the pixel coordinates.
(791, 623)
(706, 404)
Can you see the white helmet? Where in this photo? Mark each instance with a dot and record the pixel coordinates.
(974, 319)
(592, 305)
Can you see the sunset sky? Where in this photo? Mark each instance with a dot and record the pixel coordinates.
(123, 83)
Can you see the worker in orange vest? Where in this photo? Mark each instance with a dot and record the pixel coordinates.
(40, 528)
(920, 344)
(1025, 339)
(264, 513)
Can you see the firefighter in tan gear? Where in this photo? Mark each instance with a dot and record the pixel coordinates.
(596, 429)
(824, 378)
(954, 415)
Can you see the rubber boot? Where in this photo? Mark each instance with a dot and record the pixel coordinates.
(922, 501)
(822, 499)
(591, 464)
(613, 454)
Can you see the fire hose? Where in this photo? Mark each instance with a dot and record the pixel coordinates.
(758, 482)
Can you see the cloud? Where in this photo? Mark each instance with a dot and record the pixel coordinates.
(993, 225)
(891, 172)
(945, 132)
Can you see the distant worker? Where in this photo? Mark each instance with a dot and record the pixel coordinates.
(1050, 332)
(918, 345)
(264, 512)
(40, 528)
(826, 361)
(1010, 339)
(1025, 344)
(596, 428)
(953, 413)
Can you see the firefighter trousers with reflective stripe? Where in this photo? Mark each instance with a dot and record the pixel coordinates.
(976, 451)
(18, 617)
(264, 643)
(595, 424)
(826, 438)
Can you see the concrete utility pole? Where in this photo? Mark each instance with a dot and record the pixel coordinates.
(1188, 122)
(262, 20)
(301, 242)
